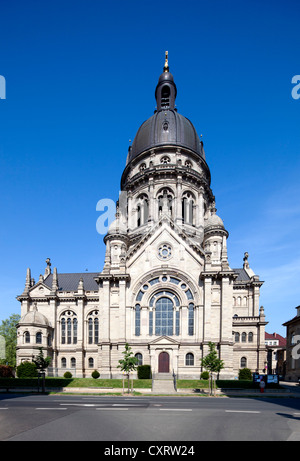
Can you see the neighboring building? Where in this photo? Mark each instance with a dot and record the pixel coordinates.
(293, 347)
(166, 287)
(276, 355)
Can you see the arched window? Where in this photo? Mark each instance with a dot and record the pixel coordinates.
(140, 358)
(142, 210)
(69, 327)
(137, 320)
(38, 338)
(244, 337)
(191, 319)
(69, 330)
(63, 331)
(189, 359)
(250, 337)
(187, 203)
(63, 362)
(74, 331)
(243, 362)
(164, 316)
(96, 331)
(93, 327)
(165, 96)
(27, 337)
(73, 362)
(236, 337)
(91, 362)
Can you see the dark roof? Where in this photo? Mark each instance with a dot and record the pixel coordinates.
(274, 337)
(242, 275)
(166, 127)
(69, 282)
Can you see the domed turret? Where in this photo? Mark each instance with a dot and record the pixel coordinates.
(34, 318)
(166, 126)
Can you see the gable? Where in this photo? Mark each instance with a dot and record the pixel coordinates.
(166, 244)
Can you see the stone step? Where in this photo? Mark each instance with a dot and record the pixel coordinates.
(163, 386)
(167, 376)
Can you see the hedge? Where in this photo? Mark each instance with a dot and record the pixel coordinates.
(144, 372)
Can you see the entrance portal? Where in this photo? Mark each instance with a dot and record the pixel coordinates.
(163, 362)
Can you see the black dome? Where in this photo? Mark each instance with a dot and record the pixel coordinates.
(166, 127)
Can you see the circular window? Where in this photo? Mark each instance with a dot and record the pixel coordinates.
(165, 252)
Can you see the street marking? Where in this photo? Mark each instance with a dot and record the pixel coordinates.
(112, 409)
(125, 405)
(175, 409)
(3, 408)
(241, 411)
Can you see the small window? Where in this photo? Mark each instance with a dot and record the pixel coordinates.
(189, 359)
(91, 362)
(38, 338)
(237, 337)
(140, 358)
(73, 362)
(250, 337)
(243, 362)
(63, 362)
(244, 337)
(27, 337)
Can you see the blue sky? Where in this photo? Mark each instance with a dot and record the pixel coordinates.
(80, 80)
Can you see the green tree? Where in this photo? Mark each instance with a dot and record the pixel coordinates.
(8, 329)
(212, 363)
(40, 361)
(128, 363)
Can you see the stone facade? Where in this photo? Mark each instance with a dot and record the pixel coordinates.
(166, 286)
(293, 348)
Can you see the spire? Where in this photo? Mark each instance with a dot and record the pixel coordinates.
(166, 66)
(54, 281)
(166, 90)
(28, 281)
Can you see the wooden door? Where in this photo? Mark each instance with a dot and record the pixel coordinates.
(163, 362)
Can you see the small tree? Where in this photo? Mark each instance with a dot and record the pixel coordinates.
(212, 363)
(40, 361)
(128, 363)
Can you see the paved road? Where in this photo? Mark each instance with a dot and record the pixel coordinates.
(106, 418)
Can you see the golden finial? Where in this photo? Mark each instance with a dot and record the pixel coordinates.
(166, 66)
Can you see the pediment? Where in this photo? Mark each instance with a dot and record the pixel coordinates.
(39, 290)
(164, 341)
(177, 234)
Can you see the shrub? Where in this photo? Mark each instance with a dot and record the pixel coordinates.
(144, 372)
(27, 370)
(205, 375)
(6, 371)
(68, 375)
(245, 374)
(95, 374)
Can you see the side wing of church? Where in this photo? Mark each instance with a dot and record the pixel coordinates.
(166, 287)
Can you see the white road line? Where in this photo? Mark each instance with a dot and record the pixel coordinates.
(3, 408)
(112, 409)
(175, 409)
(241, 411)
(125, 405)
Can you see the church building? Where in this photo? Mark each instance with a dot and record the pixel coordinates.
(166, 287)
